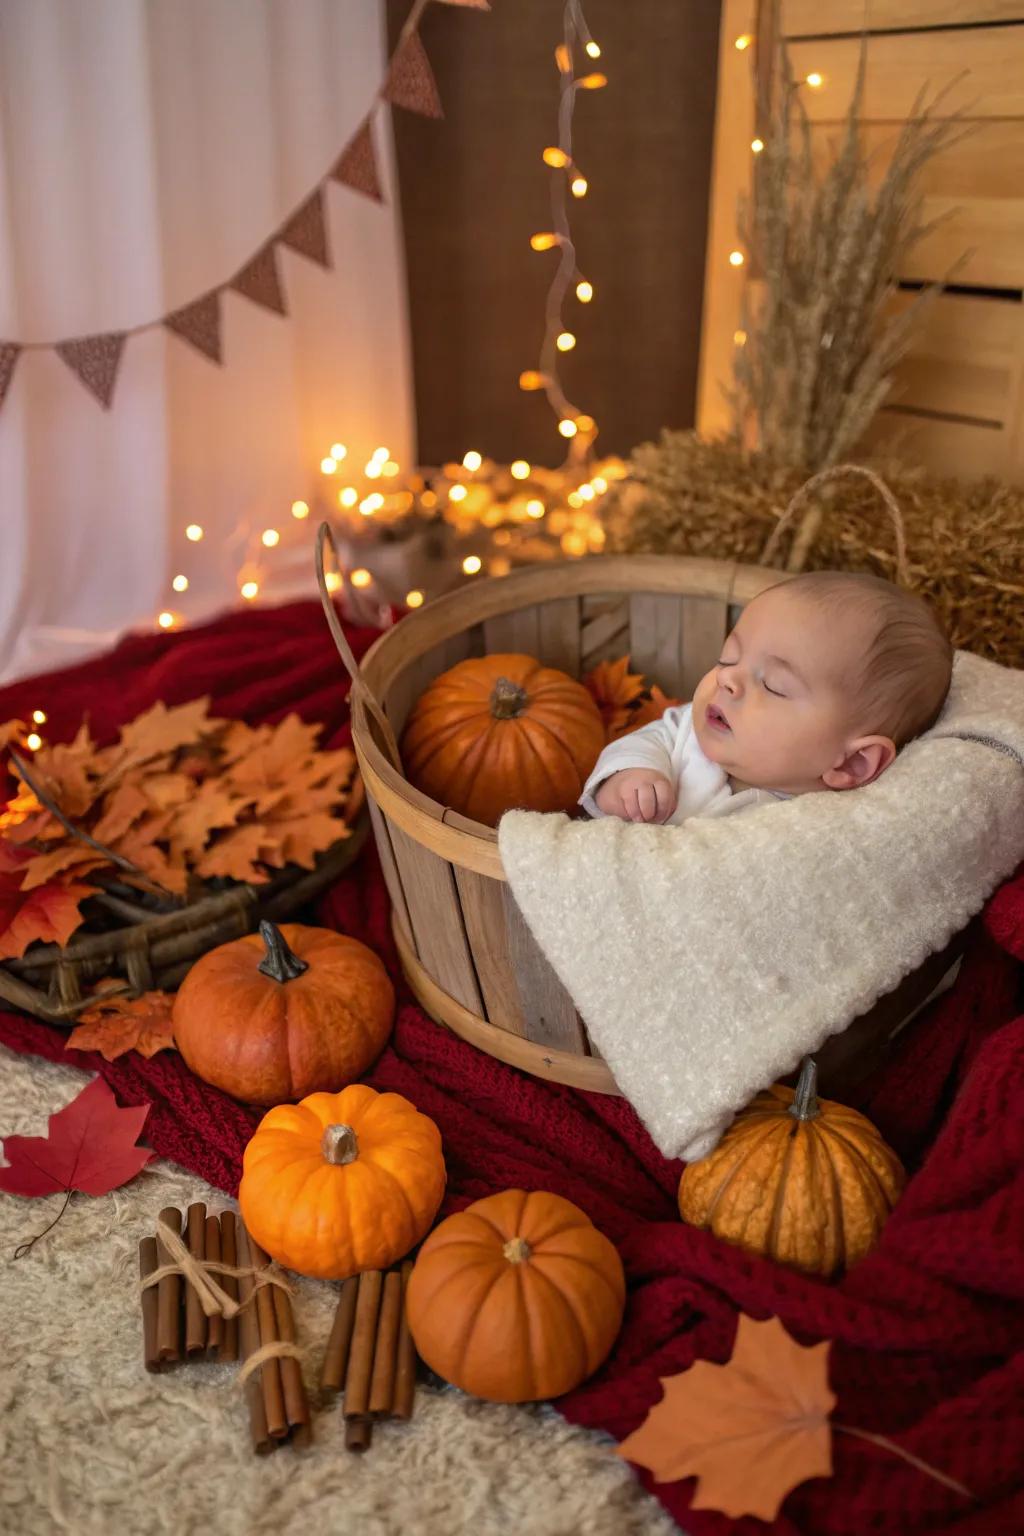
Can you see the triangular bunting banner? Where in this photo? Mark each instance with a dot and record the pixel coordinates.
(306, 231)
(356, 166)
(260, 280)
(9, 354)
(95, 359)
(199, 324)
(410, 82)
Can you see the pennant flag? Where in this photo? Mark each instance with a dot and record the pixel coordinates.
(260, 280)
(199, 324)
(356, 166)
(410, 80)
(9, 354)
(95, 359)
(306, 231)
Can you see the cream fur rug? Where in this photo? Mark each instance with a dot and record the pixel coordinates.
(92, 1445)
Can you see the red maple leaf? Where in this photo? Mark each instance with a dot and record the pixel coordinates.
(90, 1145)
(47, 912)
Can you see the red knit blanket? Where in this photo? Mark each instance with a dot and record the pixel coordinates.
(928, 1331)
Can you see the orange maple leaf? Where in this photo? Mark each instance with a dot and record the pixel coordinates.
(209, 809)
(303, 837)
(160, 730)
(749, 1430)
(49, 912)
(239, 853)
(59, 861)
(13, 730)
(69, 772)
(123, 807)
(273, 757)
(118, 1024)
(625, 699)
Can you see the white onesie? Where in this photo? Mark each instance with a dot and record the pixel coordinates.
(670, 746)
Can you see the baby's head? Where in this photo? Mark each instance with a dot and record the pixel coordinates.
(822, 681)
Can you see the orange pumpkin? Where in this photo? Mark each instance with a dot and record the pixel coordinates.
(280, 1014)
(517, 1298)
(501, 731)
(342, 1182)
(626, 700)
(801, 1180)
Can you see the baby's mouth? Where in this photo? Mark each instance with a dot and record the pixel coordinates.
(716, 720)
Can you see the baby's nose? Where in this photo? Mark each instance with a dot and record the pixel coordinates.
(728, 680)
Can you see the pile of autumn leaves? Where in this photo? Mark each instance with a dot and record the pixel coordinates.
(182, 797)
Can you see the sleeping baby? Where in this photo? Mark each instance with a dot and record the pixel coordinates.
(823, 680)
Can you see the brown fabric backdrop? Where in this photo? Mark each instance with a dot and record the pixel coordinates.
(474, 188)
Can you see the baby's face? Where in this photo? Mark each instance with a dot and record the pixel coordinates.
(775, 712)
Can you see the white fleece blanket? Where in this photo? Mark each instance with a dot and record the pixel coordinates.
(707, 959)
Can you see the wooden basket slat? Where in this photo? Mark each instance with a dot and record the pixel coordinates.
(549, 1011)
(704, 628)
(392, 879)
(605, 637)
(517, 632)
(483, 911)
(435, 918)
(559, 644)
(655, 639)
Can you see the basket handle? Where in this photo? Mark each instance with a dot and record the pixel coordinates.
(360, 688)
(808, 530)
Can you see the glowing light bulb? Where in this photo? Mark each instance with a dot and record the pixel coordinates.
(194, 532)
(593, 51)
(457, 493)
(585, 423)
(736, 258)
(600, 484)
(270, 538)
(739, 338)
(39, 716)
(471, 564)
(584, 292)
(593, 82)
(743, 41)
(180, 584)
(814, 80)
(531, 380)
(381, 455)
(587, 492)
(349, 496)
(34, 741)
(565, 342)
(757, 145)
(567, 427)
(472, 461)
(414, 599)
(556, 158)
(574, 499)
(374, 469)
(332, 581)
(300, 510)
(371, 504)
(543, 241)
(165, 620)
(428, 499)
(578, 186)
(360, 578)
(535, 508)
(339, 451)
(328, 465)
(249, 590)
(390, 470)
(519, 469)
(574, 542)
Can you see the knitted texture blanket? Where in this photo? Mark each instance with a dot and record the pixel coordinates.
(707, 959)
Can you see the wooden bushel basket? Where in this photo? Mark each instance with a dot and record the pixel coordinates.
(464, 946)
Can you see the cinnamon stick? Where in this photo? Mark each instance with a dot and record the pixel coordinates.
(335, 1364)
(296, 1404)
(364, 1334)
(229, 1255)
(195, 1317)
(168, 1294)
(147, 1264)
(358, 1434)
(249, 1340)
(382, 1382)
(270, 1370)
(214, 1324)
(405, 1365)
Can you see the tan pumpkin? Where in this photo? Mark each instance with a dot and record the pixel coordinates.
(342, 1182)
(277, 1015)
(801, 1180)
(500, 731)
(517, 1298)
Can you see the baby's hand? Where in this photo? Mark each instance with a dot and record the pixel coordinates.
(637, 794)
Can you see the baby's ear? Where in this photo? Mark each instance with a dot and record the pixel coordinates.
(864, 761)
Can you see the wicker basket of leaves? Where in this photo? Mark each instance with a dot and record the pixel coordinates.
(121, 865)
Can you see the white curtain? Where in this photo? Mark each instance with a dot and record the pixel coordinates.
(147, 147)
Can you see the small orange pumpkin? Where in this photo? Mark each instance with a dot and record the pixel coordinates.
(500, 731)
(517, 1298)
(342, 1182)
(626, 699)
(801, 1180)
(277, 1015)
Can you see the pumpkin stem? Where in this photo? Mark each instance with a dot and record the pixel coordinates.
(339, 1145)
(279, 962)
(508, 699)
(517, 1250)
(805, 1101)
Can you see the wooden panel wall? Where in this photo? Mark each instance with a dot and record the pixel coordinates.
(958, 405)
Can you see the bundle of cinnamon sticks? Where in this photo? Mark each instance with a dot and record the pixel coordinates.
(370, 1354)
(176, 1328)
